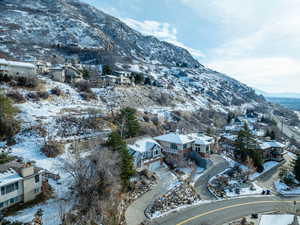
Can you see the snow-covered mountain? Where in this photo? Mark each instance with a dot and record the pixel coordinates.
(41, 27)
(70, 28)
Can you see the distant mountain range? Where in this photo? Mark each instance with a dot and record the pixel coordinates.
(277, 95)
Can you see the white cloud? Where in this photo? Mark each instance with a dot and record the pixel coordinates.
(274, 74)
(163, 31)
(261, 44)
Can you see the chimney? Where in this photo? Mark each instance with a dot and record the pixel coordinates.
(27, 170)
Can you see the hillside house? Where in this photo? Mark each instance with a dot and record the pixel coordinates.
(111, 80)
(65, 73)
(175, 143)
(19, 183)
(42, 67)
(204, 145)
(272, 150)
(17, 69)
(72, 74)
(57, 73)
(147, 154)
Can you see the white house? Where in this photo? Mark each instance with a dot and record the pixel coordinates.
(147, 153)
(203, 144)
(19, 183)
(176, 143)
(16, 69)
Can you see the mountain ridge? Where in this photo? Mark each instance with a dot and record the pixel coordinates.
(72, 29)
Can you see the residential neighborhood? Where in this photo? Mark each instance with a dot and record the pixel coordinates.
(149, 112)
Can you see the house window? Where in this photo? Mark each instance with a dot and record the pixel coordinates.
(16, 186)
(184, 146)
(37, 178)
(1, 204)
(173, 146)
(2, 190)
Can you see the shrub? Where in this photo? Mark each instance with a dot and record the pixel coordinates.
(8, 128)
(43, 94)
(88, 95)
(5, 78)
(34, 96)
(53, 149)
(30, 82)
(8, 125)
(84, 86)
(56, 91)
(4, 158)
(16, 96)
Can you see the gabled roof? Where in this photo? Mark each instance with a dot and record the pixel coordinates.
(175, 138)
(143, 145)
(9, 176)
(203, 140)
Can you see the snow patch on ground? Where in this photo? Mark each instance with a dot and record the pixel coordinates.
(267, 166)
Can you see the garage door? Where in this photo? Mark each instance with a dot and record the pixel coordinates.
(154, 165)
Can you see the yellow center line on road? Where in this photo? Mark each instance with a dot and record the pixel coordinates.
(228, 207)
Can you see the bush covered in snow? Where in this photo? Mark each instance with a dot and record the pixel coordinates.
(53, 149)
(16, 96)
(56, 91)
(9, 126)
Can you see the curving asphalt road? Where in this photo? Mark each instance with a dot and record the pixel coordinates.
(219, 165)
(220, 212)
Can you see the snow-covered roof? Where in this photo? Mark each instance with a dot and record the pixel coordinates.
(230, 137)
(19, 64)
(9, 176)
(203, 140)
(175, 138)
(271, 144)
(143, 145)
(279, 219)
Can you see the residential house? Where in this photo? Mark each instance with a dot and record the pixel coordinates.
(17, 69)
(204, 145)
(19, 183)
(175, 143)
(65, 73)
(272, 150)
(72, 74)
(57, 73)
(111, 80)
(147, 153)
(42, 67)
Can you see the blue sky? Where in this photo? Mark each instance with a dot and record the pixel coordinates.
(254, 41)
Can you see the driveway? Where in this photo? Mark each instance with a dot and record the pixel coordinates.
(219, 164)
(268, 181)
(135, 212)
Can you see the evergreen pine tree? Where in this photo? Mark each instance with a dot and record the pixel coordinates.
(107, 70)
(129, 124)
(85, 74)
(116, 143)
(272, 135)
